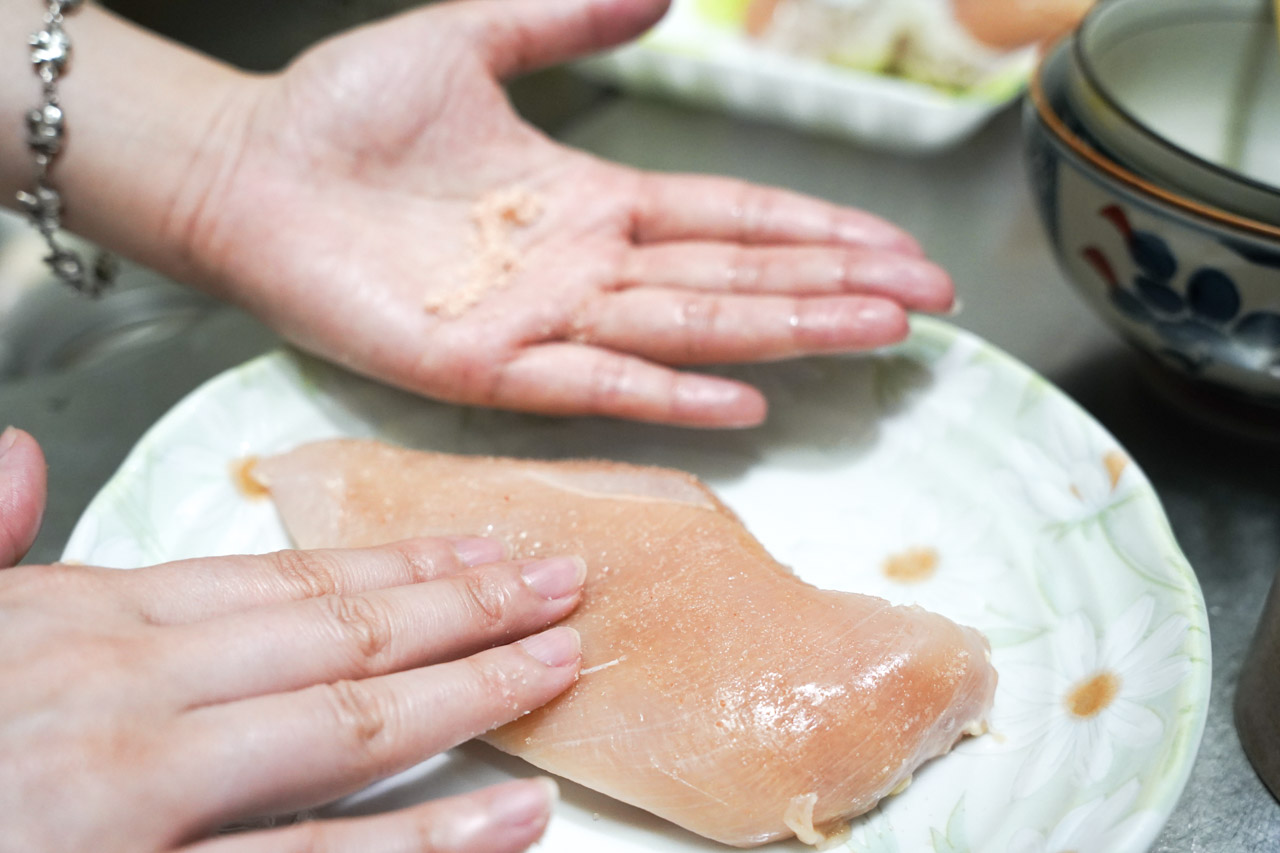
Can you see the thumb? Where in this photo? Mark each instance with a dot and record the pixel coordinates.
(22, 494)
(517, 36)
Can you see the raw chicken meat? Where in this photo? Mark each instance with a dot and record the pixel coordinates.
(718, 691)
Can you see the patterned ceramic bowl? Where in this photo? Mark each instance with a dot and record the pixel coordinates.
(1195, 287)
(1186, 93)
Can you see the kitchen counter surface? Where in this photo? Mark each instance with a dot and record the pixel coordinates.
(1216, 471)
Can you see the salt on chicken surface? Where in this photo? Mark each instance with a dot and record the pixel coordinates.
(719, 691)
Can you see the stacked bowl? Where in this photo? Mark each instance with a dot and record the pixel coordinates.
(1153, 144)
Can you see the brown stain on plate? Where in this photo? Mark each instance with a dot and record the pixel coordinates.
(912, 565)
(242, 475)
(1091, 696)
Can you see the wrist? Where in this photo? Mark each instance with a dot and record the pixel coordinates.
(149, 127)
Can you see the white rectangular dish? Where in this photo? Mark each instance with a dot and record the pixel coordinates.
(692, 57)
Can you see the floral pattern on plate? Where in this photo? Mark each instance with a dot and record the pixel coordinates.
(940, 472)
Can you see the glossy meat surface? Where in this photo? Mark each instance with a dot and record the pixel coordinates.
(719, 691)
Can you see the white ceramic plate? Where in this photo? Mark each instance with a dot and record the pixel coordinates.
(1041, 531)
(692, 59)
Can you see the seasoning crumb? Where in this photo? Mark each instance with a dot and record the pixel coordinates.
(494, 257)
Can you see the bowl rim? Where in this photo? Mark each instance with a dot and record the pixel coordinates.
(1088, 27)
(1136, 184)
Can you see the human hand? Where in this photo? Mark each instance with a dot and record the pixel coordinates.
(23, 482)
(141, 710)
(346, 210)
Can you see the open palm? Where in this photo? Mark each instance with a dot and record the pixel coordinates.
(389, 210)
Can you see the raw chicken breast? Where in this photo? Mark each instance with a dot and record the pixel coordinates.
(719, 691)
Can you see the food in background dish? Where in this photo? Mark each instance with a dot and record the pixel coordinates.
(1014, 23)
(718, 690)
(954, 44)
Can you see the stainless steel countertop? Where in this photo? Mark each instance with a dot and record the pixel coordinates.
(1217, 475)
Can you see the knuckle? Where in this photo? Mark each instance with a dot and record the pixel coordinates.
(799, 329)
(699, 320)
(358, 712)
(493, 386)
(494, 684)
(485, 599)
(742, 206)
(97, 667)
(754, 209)
(414, 562)
(583, 325)
(745, 270)
(434, 831)
(847, 263)
(608, 383)
(417, 567)
(313, 838)
(65, 578)
(426, 833)
(459, 365)
(362, 624)
(306, 574)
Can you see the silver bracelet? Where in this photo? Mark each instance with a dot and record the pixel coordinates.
(50, 52)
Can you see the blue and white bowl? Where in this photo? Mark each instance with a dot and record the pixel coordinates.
(1185, 93)
(1194, 286)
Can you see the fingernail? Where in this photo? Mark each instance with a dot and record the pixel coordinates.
(513, 816)
(709, 401)
(556, 577)
(7, 439)
(556, 647)
(692, 391)
(907, 245)
(956, 307)
(525, 806)
(477, 551)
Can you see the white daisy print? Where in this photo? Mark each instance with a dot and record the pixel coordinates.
(1098, 826)
(923, 550)
(1073, 717)
(204, 485)
(1070, 472)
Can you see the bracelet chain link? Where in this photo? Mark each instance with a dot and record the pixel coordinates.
(50, 52)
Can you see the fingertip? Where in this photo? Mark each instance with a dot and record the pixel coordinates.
(551, 788)
(18, 447)
(850, 325)
(883, 321)
(556, 647)
(23, 486)
(937, 290)
(917, 284)
(524, 807)
(712, 402)
(904, 244)
(8, 438)
(505, 817)
(525, 35)
(867, 231)
(555, 578)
